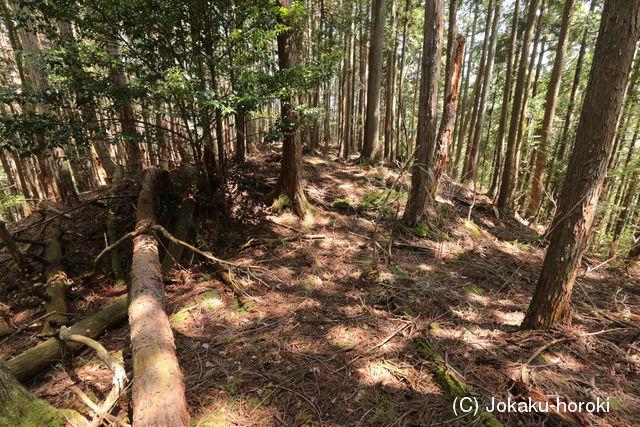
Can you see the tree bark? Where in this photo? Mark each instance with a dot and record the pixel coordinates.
(613, 55)
(158, 390)
(370, 143)
(428, 111)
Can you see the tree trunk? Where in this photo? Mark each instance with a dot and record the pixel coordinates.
(158, 390)
(289, 191)
(126, 116)
(510, 167)
(428, 112)
(389, 112)
(613, 55)
(527, 93)
(370, 143)
(550, 109)
(561, 144)
(400, 104)
(445, 133)
(240, 139)
(623, 215)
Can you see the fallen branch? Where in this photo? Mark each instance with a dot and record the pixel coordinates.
(252, 243)
(75, 208)
(119, 374)
(523, 370)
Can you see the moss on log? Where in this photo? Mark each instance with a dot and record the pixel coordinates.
(22, 409)
(39, 357)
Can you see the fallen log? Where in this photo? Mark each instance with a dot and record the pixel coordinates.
(158, 394)
(38, 358)
(55, 290)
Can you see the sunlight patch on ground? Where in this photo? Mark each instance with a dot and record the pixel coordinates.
(512, 318)
(347, 338)
(378, 372)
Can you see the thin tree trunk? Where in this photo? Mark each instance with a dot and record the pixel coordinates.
(511, 156)
(477, 90)
(126, 117)
(389, 112)
(370, 143)
(472, 168)
(401, 78)
(462, 112)
(553, 89)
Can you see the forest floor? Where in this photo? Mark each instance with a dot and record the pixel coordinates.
(332, 332)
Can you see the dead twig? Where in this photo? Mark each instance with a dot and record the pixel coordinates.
(163, 231)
